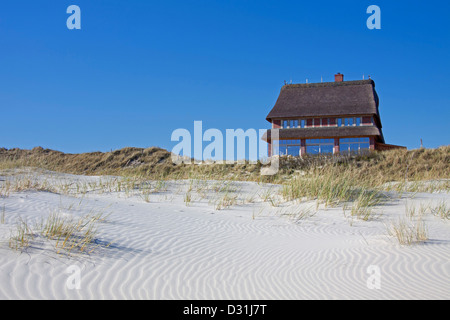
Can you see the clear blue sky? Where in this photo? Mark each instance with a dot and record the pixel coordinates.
(137, 70)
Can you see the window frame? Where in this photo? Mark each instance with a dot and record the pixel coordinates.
(353, 142)
(320, 144)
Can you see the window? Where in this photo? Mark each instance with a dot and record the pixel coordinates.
(289, 147)
(319, 146)
(312, 149)
(326, 148)
(348, 122)
(293, 150)
(317, 141)
(354, 145)
(327, 122)
(285, 124)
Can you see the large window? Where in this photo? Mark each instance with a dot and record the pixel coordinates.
(319, 146)
(293, 150)
(289, 147)
(289, 142)
(354, 145)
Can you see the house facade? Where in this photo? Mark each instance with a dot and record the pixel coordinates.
(326, 118)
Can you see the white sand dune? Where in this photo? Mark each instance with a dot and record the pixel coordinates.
(165, 249)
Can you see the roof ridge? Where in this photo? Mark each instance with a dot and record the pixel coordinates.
(328, 84)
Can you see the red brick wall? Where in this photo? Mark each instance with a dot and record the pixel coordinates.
(367, 120)
(336, 146)
(302, 147)
(372, 143)
(383, 147)
(316, 122)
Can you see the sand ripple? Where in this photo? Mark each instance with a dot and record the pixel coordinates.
(167, 250)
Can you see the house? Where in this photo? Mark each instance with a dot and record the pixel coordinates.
(326, 118)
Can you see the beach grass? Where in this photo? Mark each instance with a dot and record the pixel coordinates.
(358, 182)
(400, 169)
(67, 234)
(408, 232)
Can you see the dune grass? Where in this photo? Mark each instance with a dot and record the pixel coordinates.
(2, 218)
(23, 236)
(441, 210)
(156, 164)
(225, 201)
(357, 182)
(67, 234)
(332, 189)
(360, 184)
(298, 214)
(363, 206)
(411, 228)
(408, 232)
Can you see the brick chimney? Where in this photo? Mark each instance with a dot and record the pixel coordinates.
(338, 77)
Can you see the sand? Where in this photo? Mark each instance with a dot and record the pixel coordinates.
(169, 246)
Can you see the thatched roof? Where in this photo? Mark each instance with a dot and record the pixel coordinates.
(326, 99)
(328, 132)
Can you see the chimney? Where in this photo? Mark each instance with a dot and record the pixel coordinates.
(338, 77)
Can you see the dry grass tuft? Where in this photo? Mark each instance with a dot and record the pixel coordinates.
(68, 235)
(409, 232)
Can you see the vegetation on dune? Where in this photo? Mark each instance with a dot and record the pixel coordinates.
(375, 168)
(357, 182)
(67, 235)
